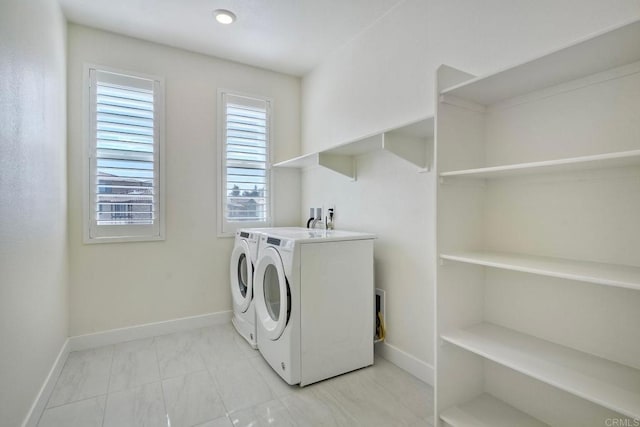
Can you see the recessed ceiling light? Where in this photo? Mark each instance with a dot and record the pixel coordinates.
(224, 16)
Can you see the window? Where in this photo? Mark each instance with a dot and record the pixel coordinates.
(124, 197)
(244, 154)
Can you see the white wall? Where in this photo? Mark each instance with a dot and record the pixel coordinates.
(33, 200)
(388, 199)
(121, 284)
(385, 77)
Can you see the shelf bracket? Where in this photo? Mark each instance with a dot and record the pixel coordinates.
(343, 165)
(462, 103)
(412, 149)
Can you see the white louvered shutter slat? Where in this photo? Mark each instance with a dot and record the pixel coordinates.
(124, 168)
(246, 161)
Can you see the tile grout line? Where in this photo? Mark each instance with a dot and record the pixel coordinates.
(144, 383)
(164, 399)
(273, 395)
(284, 406)
(226, 412)
(181, 375)
(332, 392)
(206, 369)
(265, 380)
(84, 399)
(397, 396)
(196, 348)
(106, 399)
(46, 406)
(217, 387)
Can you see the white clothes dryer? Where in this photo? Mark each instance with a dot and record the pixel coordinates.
(314, 302)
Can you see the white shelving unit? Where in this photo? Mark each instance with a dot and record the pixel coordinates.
(544, 159)
(411, 142)
(487, 411)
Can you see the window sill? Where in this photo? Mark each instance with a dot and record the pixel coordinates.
(122, 239)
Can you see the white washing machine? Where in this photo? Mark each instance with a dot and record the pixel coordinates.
(243, 259)
(314, 302)
(241, 268)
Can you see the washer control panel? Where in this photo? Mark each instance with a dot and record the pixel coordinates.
(276, 241)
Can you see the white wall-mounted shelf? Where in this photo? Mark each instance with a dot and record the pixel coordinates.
(487, 411)
(341, 164)
(610, 49)
(608, 384)
(410, 142)
(598, 161)
(592, 272)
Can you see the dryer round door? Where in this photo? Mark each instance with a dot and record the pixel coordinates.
(241, 270)
(273, 298)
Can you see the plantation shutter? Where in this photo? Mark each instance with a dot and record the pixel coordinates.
(124, 168)
(246, 162)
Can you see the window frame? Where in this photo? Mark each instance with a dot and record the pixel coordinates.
(225, 228)
(125, 232)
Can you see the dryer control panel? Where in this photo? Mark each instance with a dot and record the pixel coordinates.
(277, 241)
(273, 241)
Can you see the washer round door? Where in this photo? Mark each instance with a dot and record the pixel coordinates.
(241, 270)
(273, 298)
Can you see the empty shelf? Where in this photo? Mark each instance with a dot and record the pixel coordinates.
(487, 411)
(598, 161)
(606, 383)
(338, 163)
(299, 162)
(409, 142)
(593, 272)
(613, 47)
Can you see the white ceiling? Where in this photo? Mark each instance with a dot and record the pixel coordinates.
(290, 36)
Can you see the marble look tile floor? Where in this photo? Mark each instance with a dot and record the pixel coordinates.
(210, 377)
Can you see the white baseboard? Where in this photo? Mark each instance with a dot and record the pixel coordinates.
(405, 361)
(36, 410)
(148, 330)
